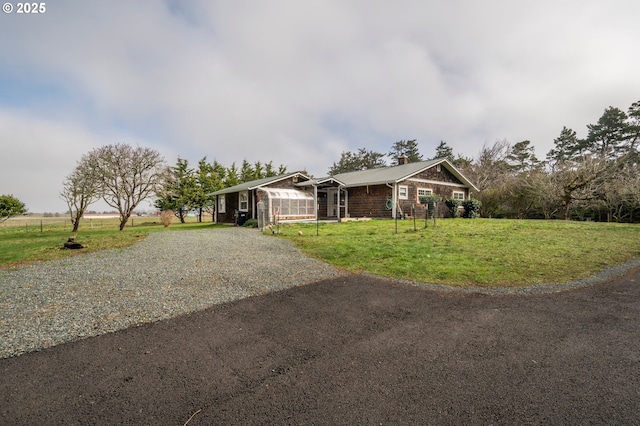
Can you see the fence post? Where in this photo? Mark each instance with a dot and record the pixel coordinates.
(413, 214)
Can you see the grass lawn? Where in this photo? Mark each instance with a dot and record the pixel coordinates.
(462, 252)
(20, 247)
(479, 252)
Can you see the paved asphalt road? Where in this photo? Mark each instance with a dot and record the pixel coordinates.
(354, 350)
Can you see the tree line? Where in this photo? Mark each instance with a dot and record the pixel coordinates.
(596, 177)
(124, 176)
(188, 188)
(364, 159)
(592, 178)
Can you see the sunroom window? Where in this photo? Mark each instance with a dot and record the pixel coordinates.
(289, 202)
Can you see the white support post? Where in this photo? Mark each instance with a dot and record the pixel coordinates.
(394, 209)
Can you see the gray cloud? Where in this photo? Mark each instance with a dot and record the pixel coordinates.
(300, 82)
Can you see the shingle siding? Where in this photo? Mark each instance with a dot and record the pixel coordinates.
(369, 201)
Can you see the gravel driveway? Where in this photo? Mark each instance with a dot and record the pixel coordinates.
(166, 275)
(348, 349)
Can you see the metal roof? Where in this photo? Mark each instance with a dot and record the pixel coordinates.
(393, 174)
(379, 176)
(246, 186)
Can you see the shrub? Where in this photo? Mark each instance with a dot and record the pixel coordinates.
(430, 199)
(431, 202)
(453, 205)
(250, 223)
(471, 208)
(166, 217)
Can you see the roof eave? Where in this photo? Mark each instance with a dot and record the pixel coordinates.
(242, 187)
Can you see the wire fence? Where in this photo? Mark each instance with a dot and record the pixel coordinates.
(47, 224)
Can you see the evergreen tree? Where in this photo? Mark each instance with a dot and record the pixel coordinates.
(209, 179)
(180, 192)
(355, 161)
(522, 157)
(444, 151)
(634, 126)
(11, 206)
(402, 148)
(567, 147)
(232, 178)
(247, 172)
(258, 171)
(608, 136)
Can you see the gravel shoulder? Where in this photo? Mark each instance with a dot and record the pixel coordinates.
(170, 274)
(166, 275)
(345, 349)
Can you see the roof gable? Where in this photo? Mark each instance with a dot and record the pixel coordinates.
(394, 174)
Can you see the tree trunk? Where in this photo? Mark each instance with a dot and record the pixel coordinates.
(123, 221)
(181, 215)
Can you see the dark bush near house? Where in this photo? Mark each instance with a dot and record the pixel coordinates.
(431, 202)
(250, 223)
(471, 208)
(453, 205)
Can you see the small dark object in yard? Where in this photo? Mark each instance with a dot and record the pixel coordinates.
(71, 244)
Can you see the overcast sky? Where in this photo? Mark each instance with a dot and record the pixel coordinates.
(299, 82)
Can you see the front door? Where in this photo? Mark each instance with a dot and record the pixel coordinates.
(332, 202)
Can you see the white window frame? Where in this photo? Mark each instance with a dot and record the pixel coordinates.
(403, 192)
(460, 195)
(424, 192)
(243, 198)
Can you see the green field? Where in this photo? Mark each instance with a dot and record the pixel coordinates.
(479, 252)
(27, 240)
(460, 252)
(36, 223)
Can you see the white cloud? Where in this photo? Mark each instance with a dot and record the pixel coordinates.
(300, 82)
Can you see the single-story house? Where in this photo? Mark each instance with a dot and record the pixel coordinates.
(386, 192)
(269, 199)
(390, 192)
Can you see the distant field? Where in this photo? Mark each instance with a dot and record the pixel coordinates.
(35, 223)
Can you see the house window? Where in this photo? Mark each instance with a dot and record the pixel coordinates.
(458, 195)
(243, 201)
(424, 192)
(403, 192)
(438, 168)
(222, 208)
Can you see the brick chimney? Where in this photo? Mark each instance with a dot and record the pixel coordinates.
(403, 159)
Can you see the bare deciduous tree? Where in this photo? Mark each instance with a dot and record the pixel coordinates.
(79, 190)
(126, 175)
(580, 180)
(489, 171)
